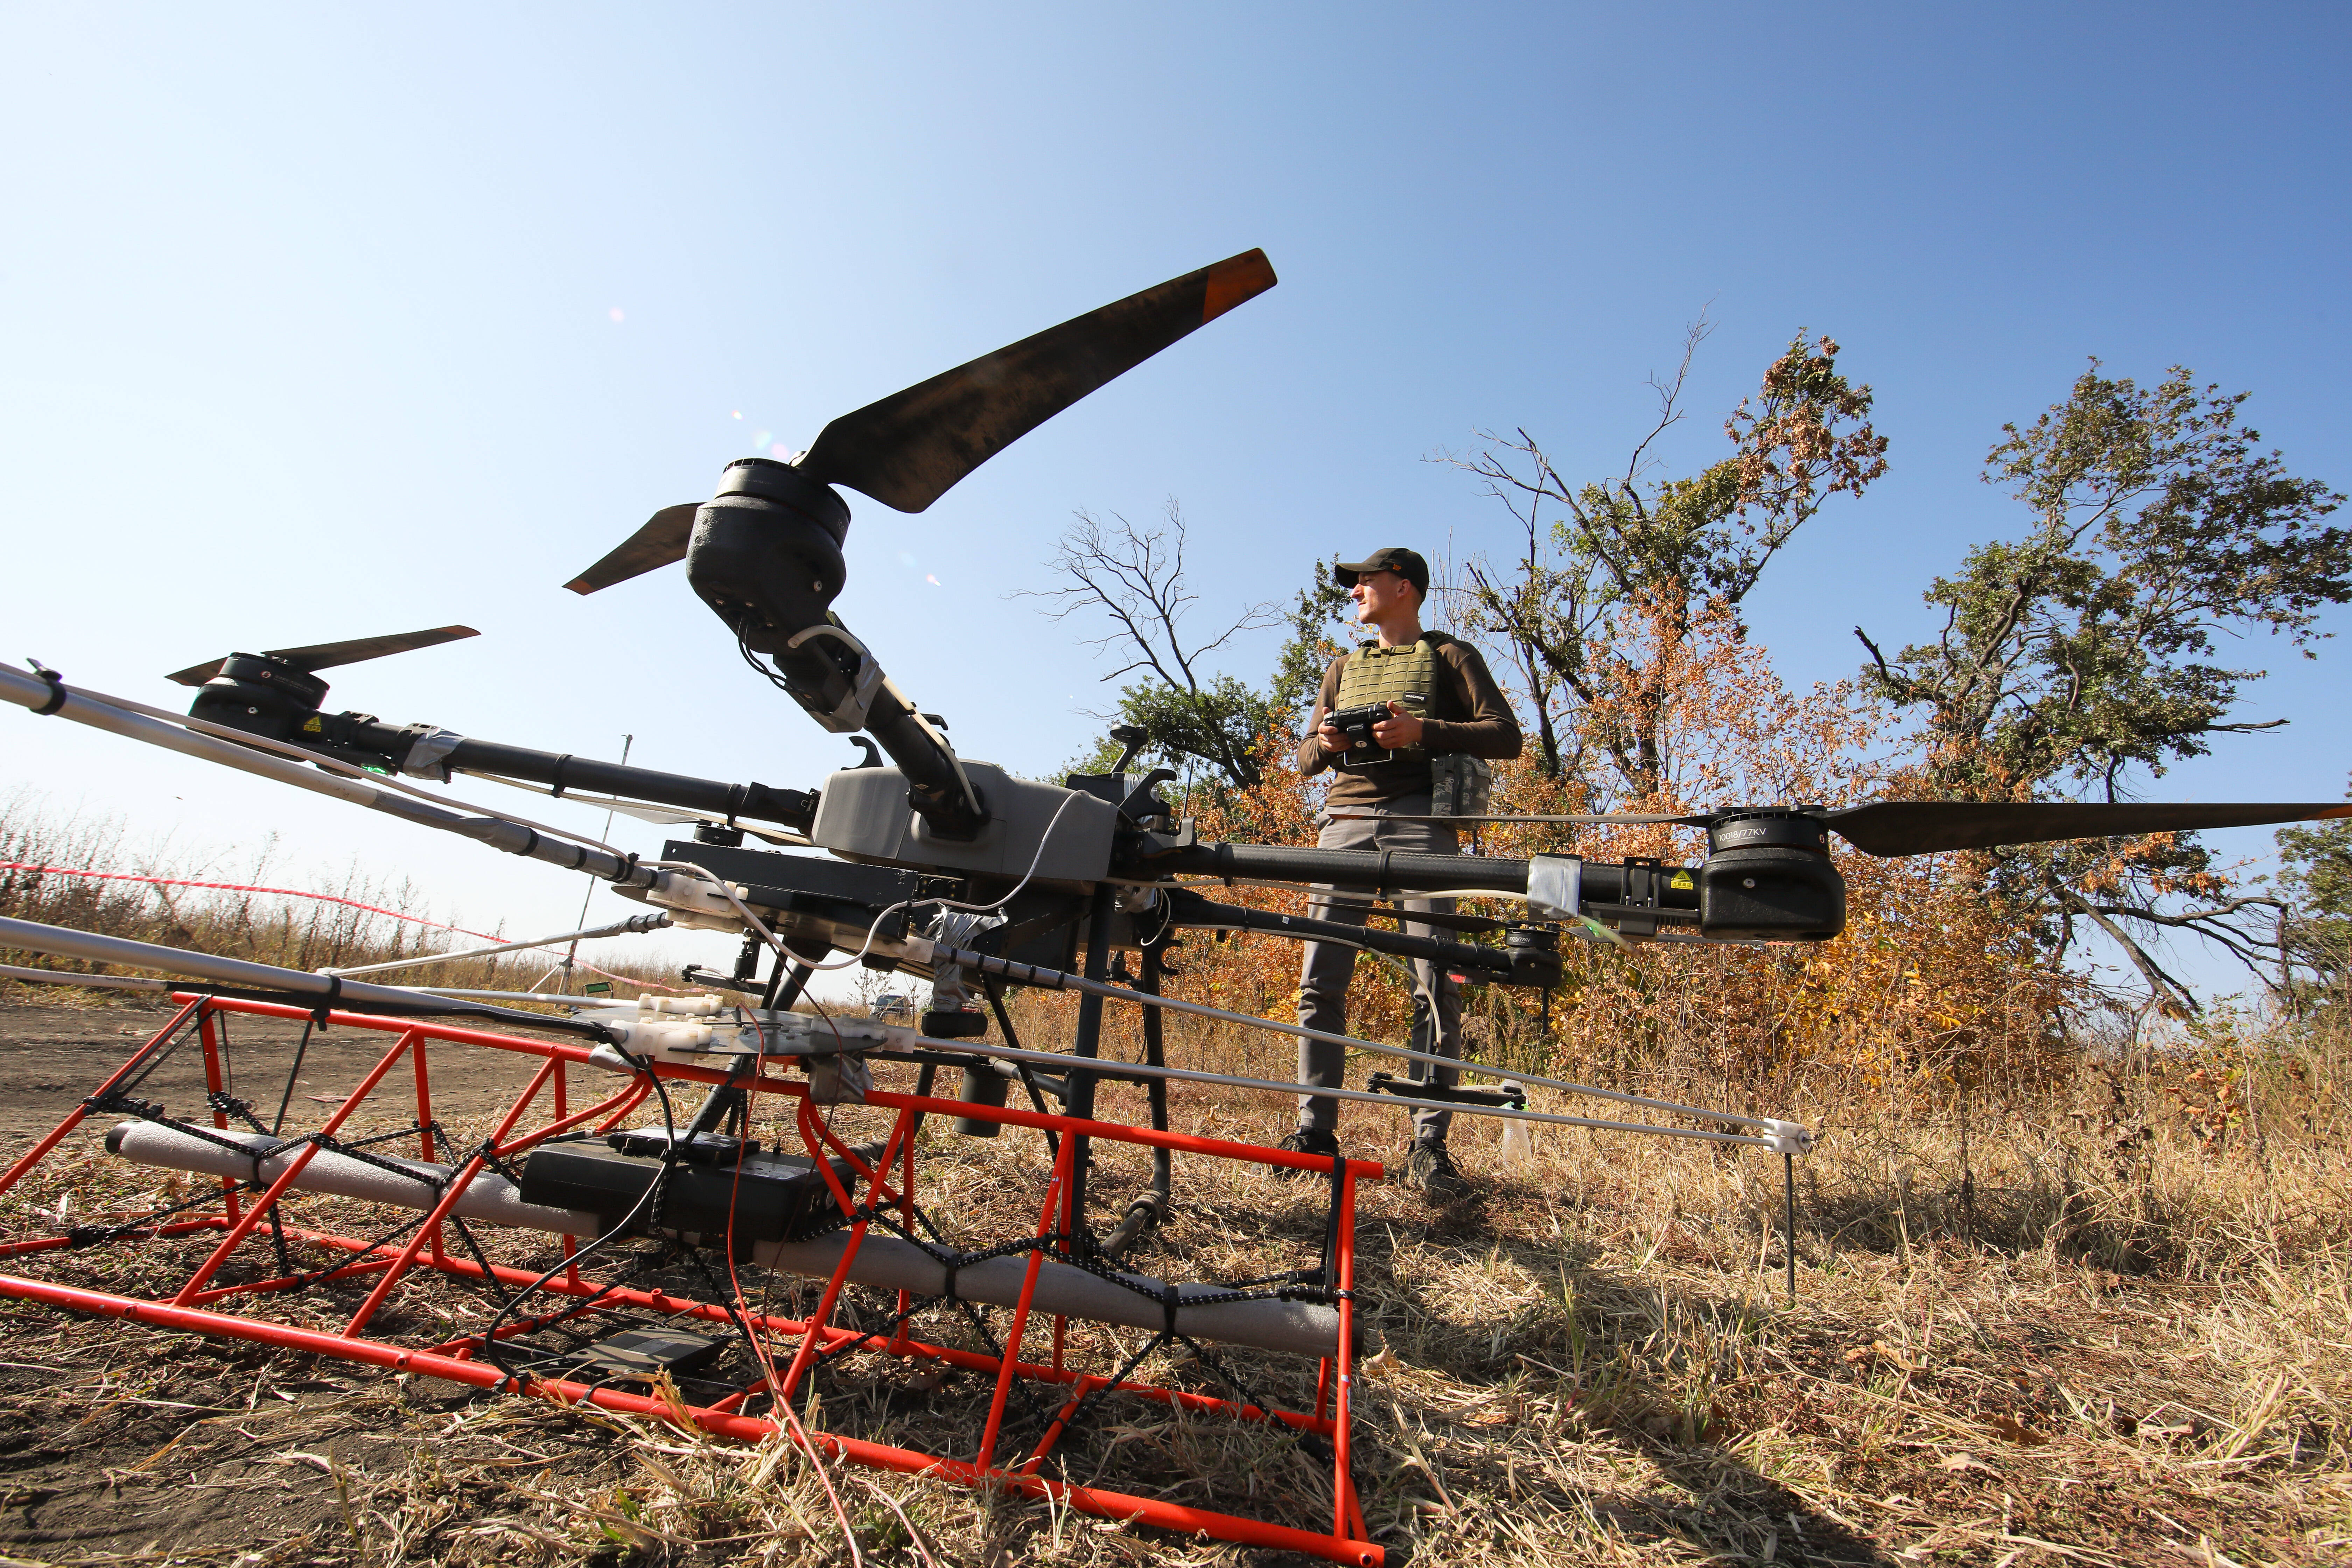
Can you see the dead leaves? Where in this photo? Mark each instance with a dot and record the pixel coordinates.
(2013, 1431)
(1880, 1351)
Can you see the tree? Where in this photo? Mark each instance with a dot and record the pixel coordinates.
(2080, 657)
(1299, 668)
(2315, 928)
(1633, 559)
(1135, 580)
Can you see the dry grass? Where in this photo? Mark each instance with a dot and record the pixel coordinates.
(2104, 1336)
(291, 932)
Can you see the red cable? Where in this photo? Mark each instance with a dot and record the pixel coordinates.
(298, 893)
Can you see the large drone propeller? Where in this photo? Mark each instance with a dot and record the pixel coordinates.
(1889, 828)
(909, 449)
(1892, 827)
(326, 655)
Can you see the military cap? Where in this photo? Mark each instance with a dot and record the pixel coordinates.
(1406, 564)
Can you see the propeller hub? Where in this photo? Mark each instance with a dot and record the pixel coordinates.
(764, 478)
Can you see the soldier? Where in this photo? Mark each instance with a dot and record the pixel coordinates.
(1442, 702)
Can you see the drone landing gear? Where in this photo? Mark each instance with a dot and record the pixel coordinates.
(1146, 1213)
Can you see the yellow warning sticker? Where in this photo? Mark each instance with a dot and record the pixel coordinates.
(310, 725)
(1679, 880)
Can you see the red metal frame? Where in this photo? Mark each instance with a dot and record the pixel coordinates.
(889, 1181)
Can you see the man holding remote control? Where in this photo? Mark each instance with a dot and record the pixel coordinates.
(1440, 702)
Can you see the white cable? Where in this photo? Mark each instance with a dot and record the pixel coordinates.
(868, 945)
(68, 977)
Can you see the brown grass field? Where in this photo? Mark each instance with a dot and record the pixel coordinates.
(2114, 1339)
(2099, 1313)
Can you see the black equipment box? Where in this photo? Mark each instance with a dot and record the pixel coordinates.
(773, 1197)
(640, 1353)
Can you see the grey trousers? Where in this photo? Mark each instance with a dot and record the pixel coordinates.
(1325, 968)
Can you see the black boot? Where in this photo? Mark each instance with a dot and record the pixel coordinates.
(1429, 1169)
(1305, 1140)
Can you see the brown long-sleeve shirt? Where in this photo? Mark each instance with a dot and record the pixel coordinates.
(1467, 713)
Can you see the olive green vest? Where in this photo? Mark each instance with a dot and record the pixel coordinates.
(1406, 676)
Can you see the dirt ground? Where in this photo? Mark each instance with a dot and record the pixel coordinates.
(51, 1056)
(178, 1446)
(1587, 1360)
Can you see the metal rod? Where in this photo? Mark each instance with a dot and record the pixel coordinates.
(572, 951)
(330, 990)
(1139, 1073)
(1079, 1102)
(634, 924)
(1789, 1192)
(1062, 980)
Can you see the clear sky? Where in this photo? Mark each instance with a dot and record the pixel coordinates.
(320, 322)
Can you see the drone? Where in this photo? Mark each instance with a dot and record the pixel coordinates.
(952, 869)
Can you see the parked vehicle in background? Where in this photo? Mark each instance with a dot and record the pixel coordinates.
(892, 1005)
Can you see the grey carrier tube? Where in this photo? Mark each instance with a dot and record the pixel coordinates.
(1297, 1328)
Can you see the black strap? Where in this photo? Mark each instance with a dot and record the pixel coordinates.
(1331, 1227)
(558, 791)
(57, 687)
(327, 1002)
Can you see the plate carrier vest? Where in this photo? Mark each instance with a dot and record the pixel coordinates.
(1406, 675)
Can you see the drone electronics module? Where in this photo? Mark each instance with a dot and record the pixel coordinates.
(933, 865)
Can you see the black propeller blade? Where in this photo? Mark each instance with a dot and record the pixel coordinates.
(326, 655)
(1888, 828)
(1892, 827)
(661, 541)
(909, 449)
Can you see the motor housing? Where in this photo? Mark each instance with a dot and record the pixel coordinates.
(1767, 877)
(1535, 955)
(259, 695)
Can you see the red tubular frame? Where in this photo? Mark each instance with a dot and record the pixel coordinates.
(889, 1181)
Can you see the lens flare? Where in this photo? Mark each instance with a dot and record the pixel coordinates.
(779, 452)
(616, 314)
(934, 581)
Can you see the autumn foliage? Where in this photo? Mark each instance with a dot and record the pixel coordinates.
(1931, 978)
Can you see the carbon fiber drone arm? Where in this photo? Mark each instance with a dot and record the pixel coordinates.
(421, 749)
(1189, 909)
(1372, 869)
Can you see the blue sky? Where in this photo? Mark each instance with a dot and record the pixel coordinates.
(324, 321)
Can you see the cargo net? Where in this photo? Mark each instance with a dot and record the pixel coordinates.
(493, 1211)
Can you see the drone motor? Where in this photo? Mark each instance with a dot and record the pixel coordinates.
(1767, 877)
(260, 696)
